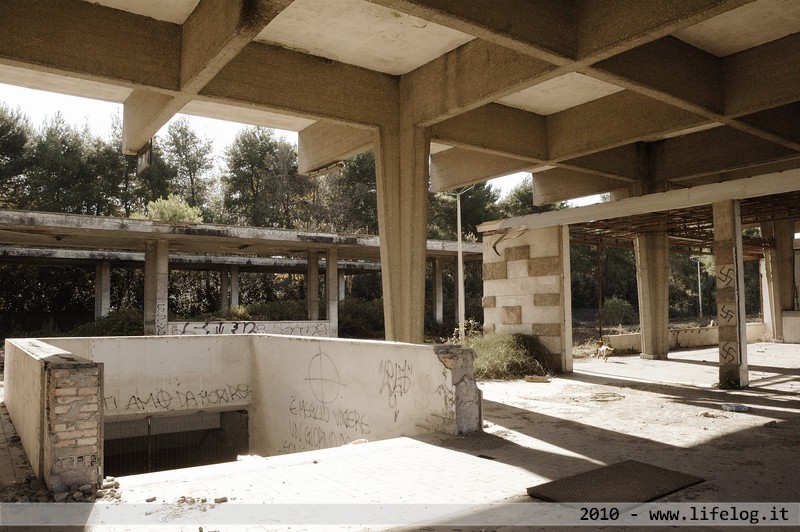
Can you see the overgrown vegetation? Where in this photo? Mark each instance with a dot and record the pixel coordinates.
(504, 356)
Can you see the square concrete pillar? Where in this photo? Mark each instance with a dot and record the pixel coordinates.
(730, 295)
(224, 290)
(401, 167)
(156, 284)
(438, 291)
(312, 285)
(779, 270)
(342, 285)
(234, 286)
(332, 291)
(102, 289)
(652, 281)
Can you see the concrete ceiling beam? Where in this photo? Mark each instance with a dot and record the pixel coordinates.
(214, 33)
(475, 74)
(539, 29)
(299, 84)
(618, 119)
(73, 38)
(762, 77)
(325, 143)
(711, 152)
(561, 184)
(609, 28)
(671, 70)
(752, 187)
(496, 129)
(621, 163)
(456, 167)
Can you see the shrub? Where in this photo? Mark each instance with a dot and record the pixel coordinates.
(119, 322)
(618, 311)
(172, 209)
(359, 318)
(505, 356)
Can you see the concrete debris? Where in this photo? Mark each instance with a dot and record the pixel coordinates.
(709, 414)
(731, 407)
(536, 378)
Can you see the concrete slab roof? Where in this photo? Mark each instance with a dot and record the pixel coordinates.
(624, 97)
(221, 242)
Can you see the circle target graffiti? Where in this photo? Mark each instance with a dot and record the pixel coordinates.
(323, 378)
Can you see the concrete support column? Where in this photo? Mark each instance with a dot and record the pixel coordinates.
(156, 282)
(332, 291)
(779, 269)
(102, 289)
(730, 295)
(234, 286)
(401, 164)
(224, 290)
(438, 291)
(342, 285)
(652, 280)
(312, 285)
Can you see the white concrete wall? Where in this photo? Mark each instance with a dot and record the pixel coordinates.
(147, 376)
(24, 394)
(311, 394)
(684, 338)
(791, 326)
(301, 393)
(294, 328)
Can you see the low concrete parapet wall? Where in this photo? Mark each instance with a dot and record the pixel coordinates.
(161, 376)
(682, 338)
(294, 328)
(301, 393)
(59, 418)
(312, 394)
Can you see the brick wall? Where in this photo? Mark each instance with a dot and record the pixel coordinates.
(74, 430)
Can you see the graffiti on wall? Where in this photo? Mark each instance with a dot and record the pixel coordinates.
(396, 381)
(320, 417)
(164, 400)
(292, 328)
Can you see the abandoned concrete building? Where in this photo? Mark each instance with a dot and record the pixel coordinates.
(684, 112)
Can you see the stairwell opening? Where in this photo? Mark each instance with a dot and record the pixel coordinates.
(156, 443)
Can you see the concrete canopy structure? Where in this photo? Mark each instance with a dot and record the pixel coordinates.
(628, 97)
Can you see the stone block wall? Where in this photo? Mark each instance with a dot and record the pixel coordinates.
(526, 289)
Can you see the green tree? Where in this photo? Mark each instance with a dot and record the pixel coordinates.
(519, 201)
(261, 186)
(478, 205)
(349, 196)
(191, 156)
(15, 134)
(58, 178)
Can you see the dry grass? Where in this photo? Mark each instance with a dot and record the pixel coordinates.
(506, 356)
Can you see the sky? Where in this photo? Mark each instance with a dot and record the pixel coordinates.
(40, 106)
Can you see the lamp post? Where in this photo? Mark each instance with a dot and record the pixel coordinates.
(461, 305)
(699, 287)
